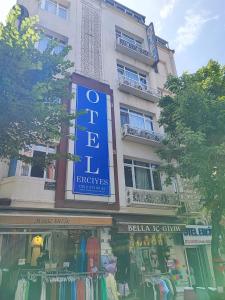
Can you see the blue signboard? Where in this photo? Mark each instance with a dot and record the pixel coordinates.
(91, 173)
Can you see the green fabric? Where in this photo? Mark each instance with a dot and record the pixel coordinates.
(26, 296)
(103, 289)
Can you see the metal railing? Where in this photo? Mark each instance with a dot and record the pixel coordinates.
(131, 46)
(128, 129)
(124, 80)
(151, 198)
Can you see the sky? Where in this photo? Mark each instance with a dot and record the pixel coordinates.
(195, 29)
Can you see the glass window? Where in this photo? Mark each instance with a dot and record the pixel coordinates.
(137, 120)
(148, 123)
(156, 178)
(51, 6)
(142, 175)
(128, 176)
(124, 116)
(142, 178)
(43, 43)
(131, 74)
(62, 12)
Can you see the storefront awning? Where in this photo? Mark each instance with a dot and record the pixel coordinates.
(52, 221)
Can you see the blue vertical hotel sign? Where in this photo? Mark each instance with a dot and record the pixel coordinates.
(91, 173)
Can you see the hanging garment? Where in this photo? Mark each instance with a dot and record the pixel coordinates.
(83, 257)
(43, 291)
(35, 289)
(53, 291)
(111, 287)
(163, 290)
(93, 253)
(95, 286)
(21, 289)
(73, 291)
(103, 289)
(80, 290)
(87, 289)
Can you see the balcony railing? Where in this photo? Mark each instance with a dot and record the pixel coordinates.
(151, 198)
(138, 89)
(142, 135)
(134, 51)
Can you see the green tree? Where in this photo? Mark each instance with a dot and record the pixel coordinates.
(32, 84)
(194, 120)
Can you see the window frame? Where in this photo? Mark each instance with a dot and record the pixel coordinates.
(141, 114)
(50, 38)
(128, 38)
(58, 7)
(150, 167)
(39, 148)
(142, 78)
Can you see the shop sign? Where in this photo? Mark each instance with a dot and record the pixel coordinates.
(91, 173)
(152, 43)
(43, 221)
(150, 228)
(197, 235)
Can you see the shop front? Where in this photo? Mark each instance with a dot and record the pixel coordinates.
(150, 260)
(197, 243)
(53, 256)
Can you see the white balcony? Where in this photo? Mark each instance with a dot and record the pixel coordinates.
(134, 51)
(142, 136)
(138, 89)
(147, 198)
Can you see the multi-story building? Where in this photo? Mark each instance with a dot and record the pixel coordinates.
(116, 192)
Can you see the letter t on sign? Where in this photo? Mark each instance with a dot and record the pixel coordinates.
(93, 113)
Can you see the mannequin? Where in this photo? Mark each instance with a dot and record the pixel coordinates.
(37, 243)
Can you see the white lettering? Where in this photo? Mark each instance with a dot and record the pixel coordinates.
(92, 114)
(92, 136)
(88, 170)
(95, 98)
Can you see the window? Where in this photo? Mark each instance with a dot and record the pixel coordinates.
(142, 175)
(132, 75)
(136, 119)
(42, 44)
(38, 168)
(55, 8)
(128, 38)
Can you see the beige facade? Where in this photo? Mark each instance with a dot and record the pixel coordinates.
(110, 44)
(90, 28)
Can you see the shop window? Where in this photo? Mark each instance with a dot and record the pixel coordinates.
(136, 119)
(142, 175)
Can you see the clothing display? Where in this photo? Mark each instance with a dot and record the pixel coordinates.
(158, 288)
(93, 253)
(61, 287)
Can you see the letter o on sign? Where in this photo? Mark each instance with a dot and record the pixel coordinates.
(92, 96)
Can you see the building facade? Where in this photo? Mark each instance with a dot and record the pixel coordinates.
(114, 199)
